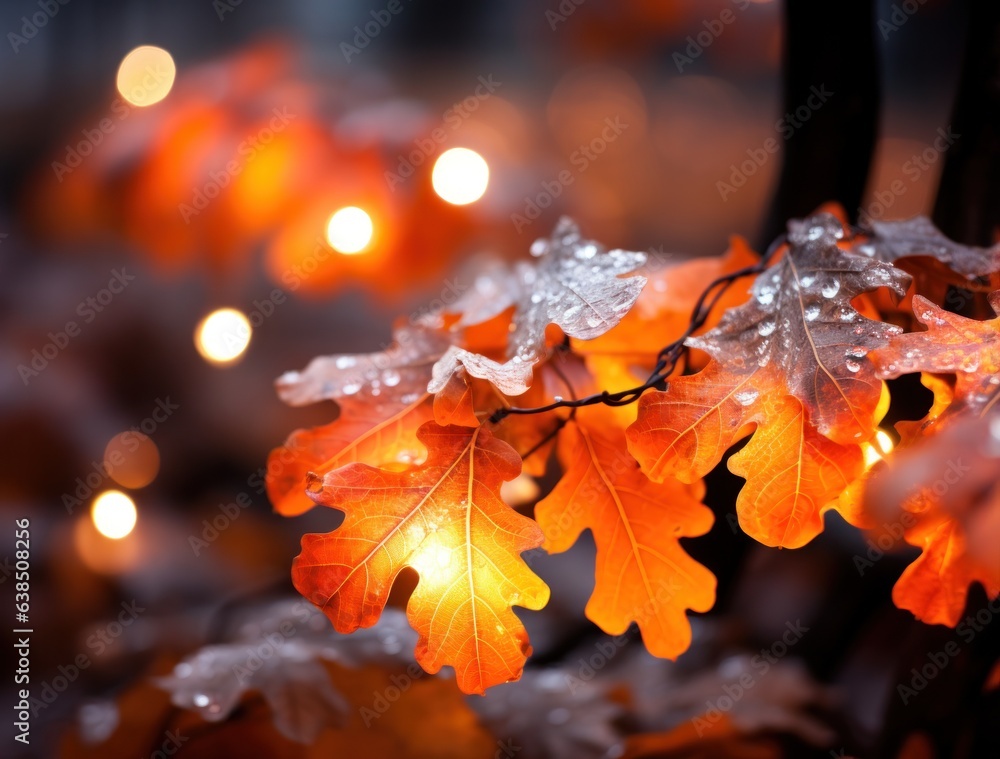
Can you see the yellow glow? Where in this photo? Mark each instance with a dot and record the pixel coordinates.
(146, 75)
(434, 561)
(460, 176)
(114, 514)
(349, 230)
(223, 336)
(875, 452)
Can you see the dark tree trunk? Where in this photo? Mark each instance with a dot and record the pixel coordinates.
(968, 201)
(831, 46)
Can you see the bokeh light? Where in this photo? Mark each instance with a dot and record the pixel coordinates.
(223, 336)
(131, 459)
(350, 230)
(114, 514)
(460, 176)
(146, 75)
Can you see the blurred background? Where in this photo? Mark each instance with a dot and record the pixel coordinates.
(197, 196)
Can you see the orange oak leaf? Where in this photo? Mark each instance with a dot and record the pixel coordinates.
(383, 401)
(943, 474)
(379, 434)
(444, 519)
(624, 356)
(642, 573)
(791, 366)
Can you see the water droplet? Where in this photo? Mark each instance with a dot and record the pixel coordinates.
(831, 288)
(345, 362)
(539, 247)
(808, 280)
(811, 313)
(536, 298)
(390, 377)
(350, 388)
(857, 352)
(853, 366)
(201, 700)
(746, 397)
(765, 328)
(765, 297)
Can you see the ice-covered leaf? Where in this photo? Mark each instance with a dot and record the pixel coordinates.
(575, 284)
(942, 477)
(895, 241)
(403, 367)
(791, 366)
(550, 714)
(281, 658)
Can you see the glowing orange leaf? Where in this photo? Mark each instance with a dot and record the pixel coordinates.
(444, 519)
(642, 573)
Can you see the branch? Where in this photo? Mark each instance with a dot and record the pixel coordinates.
(668, 356)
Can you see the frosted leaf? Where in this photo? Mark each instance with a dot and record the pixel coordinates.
(403, 365)
(895, 240)
(806, 295)
(511, 377)
(279, 656)
(574, 283)
(552, 713)
(487, 286)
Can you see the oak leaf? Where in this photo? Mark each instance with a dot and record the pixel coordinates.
(575, 284)
(383, 401)
(445, 519)
(943, 474)
(791, 366)
(624, 356)
(642, 574)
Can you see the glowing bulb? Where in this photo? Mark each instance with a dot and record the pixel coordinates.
(223, 335)
(146, 75)
(876, 451)
(349, 230)
(113, 514)
(460, 176)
